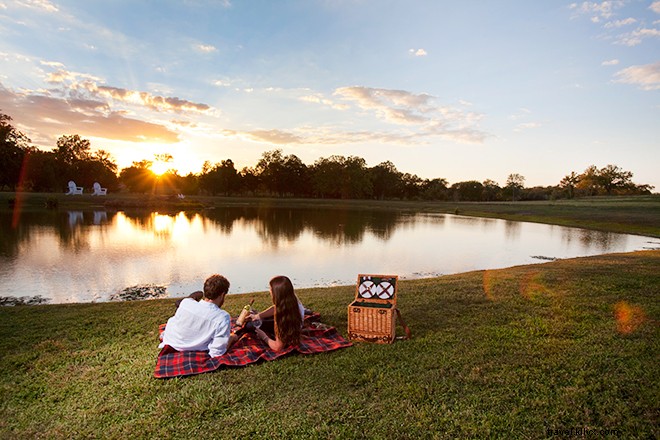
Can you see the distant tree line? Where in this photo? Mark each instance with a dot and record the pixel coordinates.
(27, 168)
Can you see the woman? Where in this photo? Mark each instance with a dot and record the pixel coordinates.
(288, 312)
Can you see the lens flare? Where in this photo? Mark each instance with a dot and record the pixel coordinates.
(628, 317)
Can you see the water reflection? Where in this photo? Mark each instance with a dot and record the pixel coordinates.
(86, 256)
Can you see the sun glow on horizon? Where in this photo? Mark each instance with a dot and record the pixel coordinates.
(159, 168)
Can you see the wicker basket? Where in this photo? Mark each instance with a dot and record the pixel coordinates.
(371, 317)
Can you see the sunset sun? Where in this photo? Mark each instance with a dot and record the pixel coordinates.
(160, 168)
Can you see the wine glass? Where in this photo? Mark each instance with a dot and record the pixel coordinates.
(256, 321)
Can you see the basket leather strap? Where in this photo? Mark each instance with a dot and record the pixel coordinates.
(403, 324)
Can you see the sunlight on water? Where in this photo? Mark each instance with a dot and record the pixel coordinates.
(81, 256)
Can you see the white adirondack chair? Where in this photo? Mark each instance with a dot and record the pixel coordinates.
(73, 189)
(98, 191)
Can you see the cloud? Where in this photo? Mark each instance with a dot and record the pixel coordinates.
(205, 48)
(153, 102)
(418, 52)
(610, 62)
(52, 117)
(655, 7)
(634, 38)
(80, 83)
(42, 5)
(526, 126)
(277, 137)
(318, 98)
(597, 10)
(420, 112)
(620, 23)
(605, 10)
(647, 77)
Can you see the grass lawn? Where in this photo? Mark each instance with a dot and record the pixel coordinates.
(524, 352)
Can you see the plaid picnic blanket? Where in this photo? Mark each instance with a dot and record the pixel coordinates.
(316, 338)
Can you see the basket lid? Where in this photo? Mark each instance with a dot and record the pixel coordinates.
(378, 288)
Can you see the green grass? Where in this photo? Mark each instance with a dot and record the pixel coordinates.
(504, 354)
(625, 214)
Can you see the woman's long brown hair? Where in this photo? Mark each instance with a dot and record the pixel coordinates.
(288, 321)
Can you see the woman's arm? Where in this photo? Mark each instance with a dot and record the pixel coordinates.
(268, 313)
(275, 345)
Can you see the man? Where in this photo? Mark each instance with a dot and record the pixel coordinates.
(203, 325)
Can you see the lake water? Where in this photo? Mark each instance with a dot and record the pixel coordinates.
(86, 256)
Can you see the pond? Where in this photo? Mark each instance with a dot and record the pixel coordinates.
(90, 256)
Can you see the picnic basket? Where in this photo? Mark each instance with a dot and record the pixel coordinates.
(373, 315)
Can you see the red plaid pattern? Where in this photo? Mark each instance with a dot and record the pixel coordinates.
(315, 338)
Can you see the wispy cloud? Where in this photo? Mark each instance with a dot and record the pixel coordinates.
(620, 23)
(655, 7)
(277, 137)
(89, 85)
(526, 126)
(613, 62)
(205, 48)
(153, 102)
(603, 13)
(635, 37)
(318, 98)
(319, 136)
(420, 111)
(597, 10)
(418, 52)
(42, 5)
(647, 77)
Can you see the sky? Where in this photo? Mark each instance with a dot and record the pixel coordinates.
(461, 90)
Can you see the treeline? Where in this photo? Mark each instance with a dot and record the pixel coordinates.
(27, 168)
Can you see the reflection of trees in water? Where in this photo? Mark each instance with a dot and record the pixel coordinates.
(512, 229)
(67, 226)
(272, 224)
(602, 241)
(337, 225)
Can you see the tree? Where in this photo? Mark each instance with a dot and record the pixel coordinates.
(386, 181)
(325, 175)
(568, 183)
(589, 183)
(435, 189)
(491, 192)
(76, 161)
(138, 177)
(412, 186)
(269, 169)
(219, 178)
(470, 190)
(13, 148)
(295, 176)
(249, 180)
(355, 181)
(612, 177)
(515, 182)
(40, 171)
(609, 180)
(72, 149)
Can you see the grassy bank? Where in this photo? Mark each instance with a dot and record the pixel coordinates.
(510, 353)
(634, 215)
